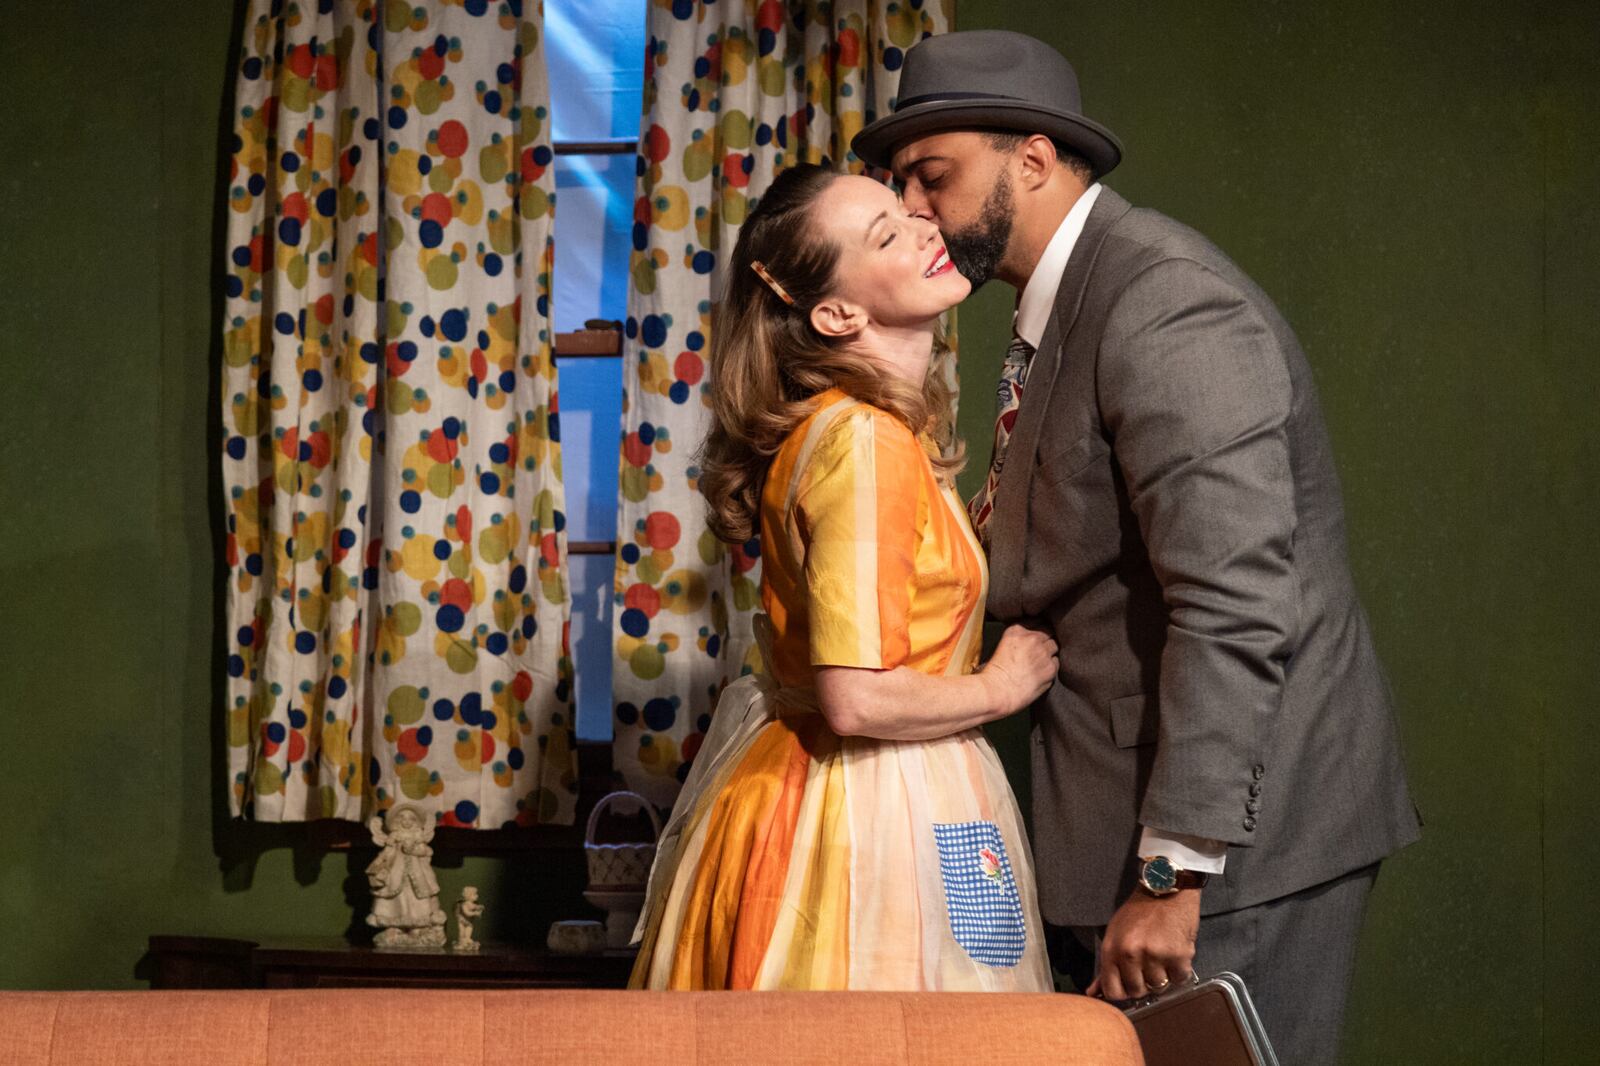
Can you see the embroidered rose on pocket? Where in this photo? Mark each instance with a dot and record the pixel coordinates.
(989, 864)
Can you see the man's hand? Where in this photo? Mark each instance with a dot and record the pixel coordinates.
(1148, 946)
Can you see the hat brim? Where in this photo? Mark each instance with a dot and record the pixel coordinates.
(875, 145)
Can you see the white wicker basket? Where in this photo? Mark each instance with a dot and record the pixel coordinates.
(615, 867)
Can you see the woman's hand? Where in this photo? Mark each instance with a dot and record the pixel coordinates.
(906, 704)
(1022, 668)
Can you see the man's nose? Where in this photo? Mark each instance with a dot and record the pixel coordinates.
(917, 204)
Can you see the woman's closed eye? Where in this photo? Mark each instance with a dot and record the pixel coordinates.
(905, 216)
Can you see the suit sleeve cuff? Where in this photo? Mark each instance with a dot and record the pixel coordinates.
(1200, 854)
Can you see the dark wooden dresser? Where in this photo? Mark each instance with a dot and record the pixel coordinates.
(213, 962)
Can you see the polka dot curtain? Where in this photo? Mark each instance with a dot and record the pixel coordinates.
(736, 90)
(397, 598)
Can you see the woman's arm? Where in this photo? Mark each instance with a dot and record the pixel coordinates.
(905, 704)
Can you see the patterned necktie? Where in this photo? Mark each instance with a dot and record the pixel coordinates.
(1012, 376)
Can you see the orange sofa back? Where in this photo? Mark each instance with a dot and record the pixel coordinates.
(352, 1027)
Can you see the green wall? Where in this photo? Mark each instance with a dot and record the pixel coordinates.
(1413, 183)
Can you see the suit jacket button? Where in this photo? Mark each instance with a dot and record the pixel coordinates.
(1260, 771)
(1252, 806)
(1255, 788)
(1249, 825)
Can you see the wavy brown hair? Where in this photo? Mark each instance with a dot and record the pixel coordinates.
(767, 362)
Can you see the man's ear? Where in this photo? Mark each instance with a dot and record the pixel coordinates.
(834, 317)
(1036, 161)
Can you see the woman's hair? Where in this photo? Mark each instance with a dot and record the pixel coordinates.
(767, 361)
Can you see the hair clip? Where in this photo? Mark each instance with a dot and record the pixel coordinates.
(772, 283)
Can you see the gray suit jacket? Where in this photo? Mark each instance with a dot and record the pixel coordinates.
(1169, 507)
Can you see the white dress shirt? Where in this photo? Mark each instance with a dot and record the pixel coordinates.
(1039, 295)
(1199, 854)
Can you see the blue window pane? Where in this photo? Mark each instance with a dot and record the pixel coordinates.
(591, 642)
(595, 54)
(591, 429)
(591, 425)
(593, 235)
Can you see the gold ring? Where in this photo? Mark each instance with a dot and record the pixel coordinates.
(1162, 987)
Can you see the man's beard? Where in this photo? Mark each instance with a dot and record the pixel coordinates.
(977, 250)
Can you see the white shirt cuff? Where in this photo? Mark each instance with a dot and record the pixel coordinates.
(1200, 854)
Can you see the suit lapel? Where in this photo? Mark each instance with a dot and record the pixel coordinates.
(1009, 523)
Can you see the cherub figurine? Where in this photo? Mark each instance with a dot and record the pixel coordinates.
(404, 890)
(468, 909)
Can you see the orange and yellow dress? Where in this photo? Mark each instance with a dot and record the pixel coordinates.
(797, 858)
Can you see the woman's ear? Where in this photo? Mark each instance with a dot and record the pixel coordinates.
(834, 317)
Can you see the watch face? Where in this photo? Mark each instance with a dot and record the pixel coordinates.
(1159, 876)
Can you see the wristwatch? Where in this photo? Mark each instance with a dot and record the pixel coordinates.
(1159, 877)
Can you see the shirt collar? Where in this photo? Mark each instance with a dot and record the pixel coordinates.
(1039, 295)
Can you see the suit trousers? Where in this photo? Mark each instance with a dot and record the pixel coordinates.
(1296, 955)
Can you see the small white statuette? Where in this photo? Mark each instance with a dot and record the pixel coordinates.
(405, 893)
(468, 909)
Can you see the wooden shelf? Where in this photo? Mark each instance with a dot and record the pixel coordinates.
(188, 962)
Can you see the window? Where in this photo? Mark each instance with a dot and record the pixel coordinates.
(595, 53)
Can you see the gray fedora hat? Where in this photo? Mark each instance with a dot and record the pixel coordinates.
(992, 79)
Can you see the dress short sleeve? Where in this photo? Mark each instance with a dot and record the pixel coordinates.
(859, 509)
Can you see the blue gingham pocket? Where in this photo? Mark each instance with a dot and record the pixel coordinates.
(980, 892)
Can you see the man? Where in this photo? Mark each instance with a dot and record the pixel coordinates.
(1216, 769)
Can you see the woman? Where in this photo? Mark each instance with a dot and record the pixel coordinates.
(846, 824)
